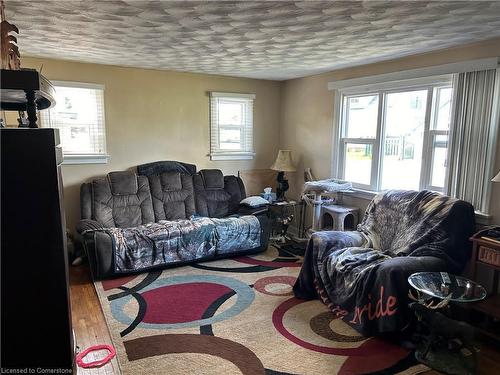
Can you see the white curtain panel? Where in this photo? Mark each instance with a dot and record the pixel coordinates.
(473, 137)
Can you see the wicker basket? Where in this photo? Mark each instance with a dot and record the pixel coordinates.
(490, 256)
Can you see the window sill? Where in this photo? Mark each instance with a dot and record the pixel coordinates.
(230, 156)
(85, 159)
(363, 194)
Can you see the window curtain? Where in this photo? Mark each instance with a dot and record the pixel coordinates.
(473, 137)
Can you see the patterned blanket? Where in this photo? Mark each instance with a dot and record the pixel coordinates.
(362, 275)
(168, 242)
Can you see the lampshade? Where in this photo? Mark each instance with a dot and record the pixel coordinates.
(496, 178)
(283, 162)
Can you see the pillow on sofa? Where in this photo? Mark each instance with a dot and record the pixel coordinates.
(254, 201)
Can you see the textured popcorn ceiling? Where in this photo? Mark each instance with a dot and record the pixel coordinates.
(258, 39)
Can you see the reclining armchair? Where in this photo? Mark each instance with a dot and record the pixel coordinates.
(362, 275)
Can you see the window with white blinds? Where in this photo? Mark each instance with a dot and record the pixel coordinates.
(231, 126)
(79, 116)
(395, 136)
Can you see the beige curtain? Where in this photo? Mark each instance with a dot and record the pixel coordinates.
(473, 137)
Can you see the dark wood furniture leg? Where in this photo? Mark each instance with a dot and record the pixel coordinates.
(31, 109)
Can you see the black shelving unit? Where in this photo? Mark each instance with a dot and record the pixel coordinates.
(36, 330)
(36, 315)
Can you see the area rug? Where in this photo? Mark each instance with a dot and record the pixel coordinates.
(236, 316)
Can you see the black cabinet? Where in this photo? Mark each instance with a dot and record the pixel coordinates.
(35, 311)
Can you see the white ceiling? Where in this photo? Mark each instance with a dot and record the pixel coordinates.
(258, 39)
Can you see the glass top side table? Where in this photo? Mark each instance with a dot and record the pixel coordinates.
(445, 285)
(438, 332)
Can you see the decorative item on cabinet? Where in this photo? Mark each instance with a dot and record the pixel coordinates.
(21, 89)
(8, 42)
(282, 164)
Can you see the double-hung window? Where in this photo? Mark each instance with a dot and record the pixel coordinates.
(231, 126)
(79, 116)
(395, 135)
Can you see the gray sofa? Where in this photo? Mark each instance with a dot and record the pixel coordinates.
(159, 191)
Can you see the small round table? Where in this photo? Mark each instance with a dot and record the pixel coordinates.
(447, 287)
(442, 331)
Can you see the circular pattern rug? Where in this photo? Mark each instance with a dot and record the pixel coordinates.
(236, 316)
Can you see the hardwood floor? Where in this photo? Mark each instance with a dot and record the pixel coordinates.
(90, 327)
(88, 320)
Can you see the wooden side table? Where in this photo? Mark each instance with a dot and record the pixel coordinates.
(487, 253)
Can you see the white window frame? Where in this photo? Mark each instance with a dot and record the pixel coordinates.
(382, 89)
(72, 158)
(247, 153)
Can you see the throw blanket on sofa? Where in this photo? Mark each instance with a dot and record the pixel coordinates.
(181, 240)
(362, 275)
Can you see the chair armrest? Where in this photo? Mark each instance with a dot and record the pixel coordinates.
(86, 225)
(319, 247)
(329, 241)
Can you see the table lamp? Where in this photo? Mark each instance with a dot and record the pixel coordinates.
(282, 164)
(496, 178)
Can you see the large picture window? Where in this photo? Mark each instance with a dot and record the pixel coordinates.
(231, 126)
(79, 116)
(396, 136)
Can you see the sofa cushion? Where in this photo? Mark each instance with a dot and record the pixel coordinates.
(213, 179)
(216, 195)
(122, 200)
(210, 203)
(234, 186)
(123, 183)
(173, 196)
(254, 201)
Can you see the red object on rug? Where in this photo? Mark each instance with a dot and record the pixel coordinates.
(99, 362)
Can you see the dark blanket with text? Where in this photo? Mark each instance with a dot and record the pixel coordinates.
(362, 275)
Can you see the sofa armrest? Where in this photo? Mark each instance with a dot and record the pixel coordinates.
(246, 210)
(265, 230)
(262, 214)
(99, 248)
(85, 225)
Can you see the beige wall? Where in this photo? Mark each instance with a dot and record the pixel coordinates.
(307, 111)
(159, 115)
